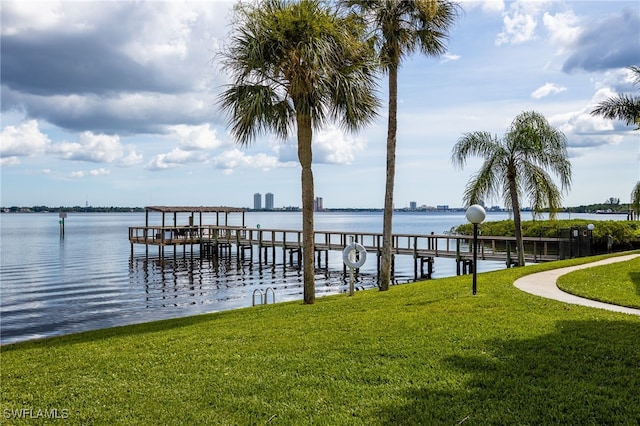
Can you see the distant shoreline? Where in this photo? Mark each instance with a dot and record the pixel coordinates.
(592, 209)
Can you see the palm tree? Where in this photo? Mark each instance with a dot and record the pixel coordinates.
(626, 108)
(297, 65)
(401, 27)
(635, 199)
(518, 165)
(622, 107)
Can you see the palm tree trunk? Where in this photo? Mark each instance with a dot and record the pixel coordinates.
(517, 222)
(385, 268)
(305, 135)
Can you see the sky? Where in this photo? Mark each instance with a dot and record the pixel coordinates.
(114, 103)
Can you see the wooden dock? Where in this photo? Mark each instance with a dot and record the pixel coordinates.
(219, 240)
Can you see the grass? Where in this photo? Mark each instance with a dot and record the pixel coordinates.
(423, 353)
(617, 283)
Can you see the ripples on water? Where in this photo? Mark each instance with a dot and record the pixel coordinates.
(88, 280)
(68, 292)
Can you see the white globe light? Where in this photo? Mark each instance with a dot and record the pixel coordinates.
(590, 227)
(476, 214)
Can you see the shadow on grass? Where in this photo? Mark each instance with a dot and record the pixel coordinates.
(586, 372)
(117, 332)
(635, 278)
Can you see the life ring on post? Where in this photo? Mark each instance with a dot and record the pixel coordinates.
(361, 258)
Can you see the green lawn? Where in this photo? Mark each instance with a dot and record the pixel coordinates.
(424, 353)
(617, 283)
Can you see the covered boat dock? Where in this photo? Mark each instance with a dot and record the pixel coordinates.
(174, 230)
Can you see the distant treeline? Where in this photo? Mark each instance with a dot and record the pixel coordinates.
(599, 208)
(75, 209)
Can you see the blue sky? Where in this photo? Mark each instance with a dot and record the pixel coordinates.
(114, 104)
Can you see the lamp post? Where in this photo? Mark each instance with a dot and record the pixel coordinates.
(475, 214)
(590, 228)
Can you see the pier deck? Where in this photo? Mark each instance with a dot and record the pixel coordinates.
(209, 239)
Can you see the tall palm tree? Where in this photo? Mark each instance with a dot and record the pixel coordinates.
(626, 108)
(401, 27)
(297, 65)
(518, 165)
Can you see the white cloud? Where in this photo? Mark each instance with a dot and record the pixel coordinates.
(603, 93)
(173, 30)
(563, 29)
(23, 140)
(28, 16)
(91, 147)
(131, 158)
(201, 137)
(584, 130)
(517, 29)
(546, 90)
(332, 146)
(447, 57)
(9, 161)
(99, 172)
(519, 22)
(235, 159)
(177, 157)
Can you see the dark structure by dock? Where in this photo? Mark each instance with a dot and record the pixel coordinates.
(219, 239)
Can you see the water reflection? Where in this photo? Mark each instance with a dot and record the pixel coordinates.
(228, 280)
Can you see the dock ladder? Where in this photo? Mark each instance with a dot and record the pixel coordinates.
(264, 296)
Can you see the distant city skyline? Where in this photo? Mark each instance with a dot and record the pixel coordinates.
(268, 201)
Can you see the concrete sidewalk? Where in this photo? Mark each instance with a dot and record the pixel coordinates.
(544, 284)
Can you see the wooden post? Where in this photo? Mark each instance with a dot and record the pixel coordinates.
(62, 216)
(415, 258)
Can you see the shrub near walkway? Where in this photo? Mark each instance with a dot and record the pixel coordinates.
(423, 353)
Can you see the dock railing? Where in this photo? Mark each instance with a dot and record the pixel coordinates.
(537, 249)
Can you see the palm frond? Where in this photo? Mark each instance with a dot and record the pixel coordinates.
(485, 184)
(255, 109)
(541, 190)
(475, 144)
(622, 107)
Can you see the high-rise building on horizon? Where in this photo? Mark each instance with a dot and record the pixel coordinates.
(317, 204)
(268, 201)
(413, 205)
(257, 201)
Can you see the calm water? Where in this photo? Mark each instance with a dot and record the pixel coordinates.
(88, 280)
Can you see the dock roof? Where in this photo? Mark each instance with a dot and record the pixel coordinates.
(195, 209)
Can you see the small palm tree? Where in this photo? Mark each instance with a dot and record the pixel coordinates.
(401, 27)
(517, 165)
(297, 65)
(626, 108)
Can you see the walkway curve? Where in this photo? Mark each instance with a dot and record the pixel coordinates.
(544, 284)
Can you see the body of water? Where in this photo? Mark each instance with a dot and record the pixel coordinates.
(88, 280)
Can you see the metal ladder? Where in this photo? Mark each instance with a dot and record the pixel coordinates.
(264, 299)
